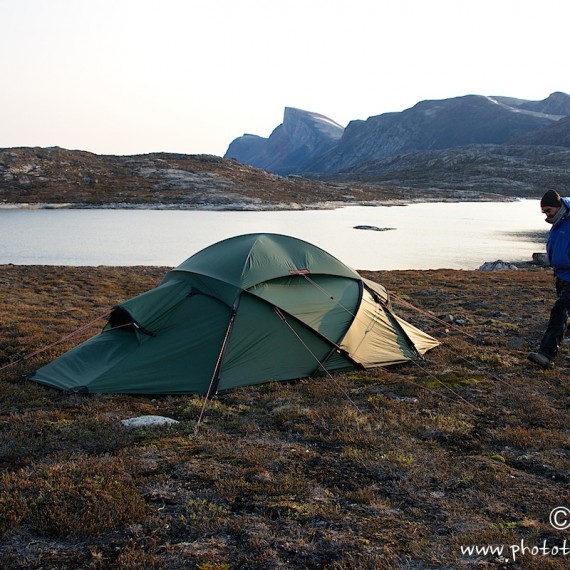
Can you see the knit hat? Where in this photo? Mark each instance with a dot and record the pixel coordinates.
(552, 199)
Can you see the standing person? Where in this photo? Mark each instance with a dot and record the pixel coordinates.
(557, 212)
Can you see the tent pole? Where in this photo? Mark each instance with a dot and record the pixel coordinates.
(212, 387)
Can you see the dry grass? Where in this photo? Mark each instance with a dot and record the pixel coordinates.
(469, 447)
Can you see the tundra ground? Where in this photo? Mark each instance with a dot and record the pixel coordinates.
(406, 467)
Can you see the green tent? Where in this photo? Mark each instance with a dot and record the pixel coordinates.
(246, 310)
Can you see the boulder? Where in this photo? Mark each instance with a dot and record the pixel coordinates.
(498, 265)
(540, 259)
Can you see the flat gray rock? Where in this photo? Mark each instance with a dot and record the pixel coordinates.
(144, 421)
(372, 228)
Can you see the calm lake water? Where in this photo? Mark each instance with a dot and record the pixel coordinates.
(424, 236)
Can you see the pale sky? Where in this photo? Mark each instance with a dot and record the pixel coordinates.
(189, 76)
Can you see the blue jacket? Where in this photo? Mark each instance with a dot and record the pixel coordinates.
(558, 245)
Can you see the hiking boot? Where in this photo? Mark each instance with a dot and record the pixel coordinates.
(541, 359)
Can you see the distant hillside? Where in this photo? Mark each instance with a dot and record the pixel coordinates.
(556, 134)
(59, 176)
(515, 170)
(557, 103)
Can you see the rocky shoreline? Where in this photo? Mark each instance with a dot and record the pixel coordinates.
(258, 205)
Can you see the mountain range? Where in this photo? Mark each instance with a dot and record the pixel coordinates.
(469, 140)
(465, 148)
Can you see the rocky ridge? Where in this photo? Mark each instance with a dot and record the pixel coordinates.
(301, 138)
(67, 177)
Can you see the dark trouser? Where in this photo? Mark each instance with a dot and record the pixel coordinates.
(558, 320)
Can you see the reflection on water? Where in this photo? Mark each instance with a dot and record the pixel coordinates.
(424, 236)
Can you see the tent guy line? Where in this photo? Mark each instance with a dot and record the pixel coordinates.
(430, 315)
(321, 365)
(61, 340)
